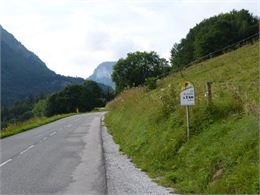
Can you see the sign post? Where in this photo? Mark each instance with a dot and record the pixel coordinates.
(187, 122)
(187, 98)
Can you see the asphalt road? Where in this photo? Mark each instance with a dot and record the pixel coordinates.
(63, 157)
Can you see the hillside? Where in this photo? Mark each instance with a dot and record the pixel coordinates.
(102, 74)
(24, 74)
(222, 155)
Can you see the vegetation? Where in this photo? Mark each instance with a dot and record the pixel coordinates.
(136, 68)
(76, 98)
(222, 155)
(213, 34)
(73, 98)
(30, 124)
(19, 112)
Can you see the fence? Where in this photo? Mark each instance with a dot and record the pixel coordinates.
(226, 49)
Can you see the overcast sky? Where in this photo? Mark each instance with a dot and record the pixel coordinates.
(73, 36)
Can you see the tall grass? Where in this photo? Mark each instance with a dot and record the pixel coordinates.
(222, 155)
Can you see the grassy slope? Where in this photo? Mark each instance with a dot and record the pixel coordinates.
(222, 155)
(30, 124)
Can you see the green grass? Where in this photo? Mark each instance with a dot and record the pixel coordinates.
(99, 109)
(13, 129)
(222, 155)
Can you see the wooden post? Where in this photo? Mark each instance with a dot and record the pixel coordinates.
(187, 122)
(208, 92)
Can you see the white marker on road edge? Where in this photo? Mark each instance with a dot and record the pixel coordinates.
(5, 162)
(69, 125)
(43, 139)
(27, 149)
(53, 133)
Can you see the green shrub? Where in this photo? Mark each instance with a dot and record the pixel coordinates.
(150, 83)
(39, 108)
(170, 100)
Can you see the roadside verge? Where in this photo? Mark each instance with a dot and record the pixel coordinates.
(122, 175)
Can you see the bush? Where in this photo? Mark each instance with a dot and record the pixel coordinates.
(170, 101)
(39, 109)
(150, 83)
(27, 115)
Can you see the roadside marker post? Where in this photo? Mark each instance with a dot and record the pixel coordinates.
(187, 98)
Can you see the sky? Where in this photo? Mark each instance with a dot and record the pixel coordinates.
(73, 36)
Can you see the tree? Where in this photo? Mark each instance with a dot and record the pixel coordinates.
(20, 111)
(75, 97)
(136, 68)
(39, 108)
(213, 34)
(93, 95)
(66, 101)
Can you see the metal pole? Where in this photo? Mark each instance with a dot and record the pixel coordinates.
(187, 122)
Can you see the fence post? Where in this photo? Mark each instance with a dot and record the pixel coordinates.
(208, 91)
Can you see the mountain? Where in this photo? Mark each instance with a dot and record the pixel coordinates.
(102, 74)
(24, 74)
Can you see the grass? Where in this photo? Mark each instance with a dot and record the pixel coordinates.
(222, 155)
(99, 109)
(13, 129)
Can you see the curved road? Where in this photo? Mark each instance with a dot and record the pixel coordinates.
(63, 157)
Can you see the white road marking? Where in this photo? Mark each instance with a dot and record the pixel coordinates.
(27, 149)
(53, 133)
(43, 139)
(2, 164)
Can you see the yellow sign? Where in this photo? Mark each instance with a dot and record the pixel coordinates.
(186, 85)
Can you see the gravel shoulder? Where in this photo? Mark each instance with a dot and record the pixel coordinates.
(122, 175)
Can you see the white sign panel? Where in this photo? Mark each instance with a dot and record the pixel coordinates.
(187, 95)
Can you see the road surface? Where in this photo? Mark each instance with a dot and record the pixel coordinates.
(63, 157)
(74, 155)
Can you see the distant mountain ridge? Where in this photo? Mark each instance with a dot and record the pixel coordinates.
(102, 74)
(24, 74)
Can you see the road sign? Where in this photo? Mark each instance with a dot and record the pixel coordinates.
(187, 95)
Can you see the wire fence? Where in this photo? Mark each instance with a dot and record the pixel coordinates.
(234, 46)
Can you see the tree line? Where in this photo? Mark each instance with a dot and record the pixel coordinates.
(73, 98)
(213, 34)
(77, 98)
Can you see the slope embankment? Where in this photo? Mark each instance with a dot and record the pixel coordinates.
(222, 154)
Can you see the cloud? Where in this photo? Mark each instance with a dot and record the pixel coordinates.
(74, 36)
